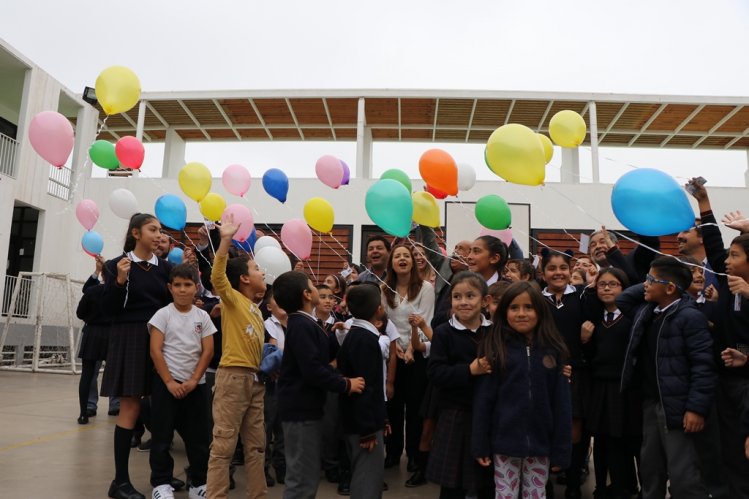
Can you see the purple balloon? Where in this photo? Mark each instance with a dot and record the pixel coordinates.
(346, 173)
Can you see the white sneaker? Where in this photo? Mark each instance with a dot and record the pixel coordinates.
(163, 492)
(198, 492)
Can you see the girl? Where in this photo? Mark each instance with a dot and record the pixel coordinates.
(488, 257)
(337, 285)
(454, 366)
(403, 294)
(421, 341)
(519, 270)
(426, 272)
(590, 269)
(135, 288)
(525, 354)
(578, 277)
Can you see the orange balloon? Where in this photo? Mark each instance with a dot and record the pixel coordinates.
(439, 170)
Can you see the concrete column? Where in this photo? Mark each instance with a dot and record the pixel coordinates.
(363, 144)
(593, 119)
(174, 154)
(570, 165)
(746, 173)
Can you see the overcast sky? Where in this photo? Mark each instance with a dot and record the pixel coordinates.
(639, 46)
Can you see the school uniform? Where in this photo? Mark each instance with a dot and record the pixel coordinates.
(274, 443)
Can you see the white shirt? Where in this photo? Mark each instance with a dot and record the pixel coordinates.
(423, 305)
(384, 342)
(275, 330)
(659, 310)
(454, 322)
(494, 278)
(616, 313)
(154, 260)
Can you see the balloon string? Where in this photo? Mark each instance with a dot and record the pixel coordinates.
(210, 241)
(195, 246)
(436, 272)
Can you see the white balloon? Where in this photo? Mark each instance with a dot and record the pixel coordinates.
(123, 203)
(266, 241)
(273, 261)
(466, 177)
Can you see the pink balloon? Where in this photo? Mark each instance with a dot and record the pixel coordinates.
(87, 213)
(503, 235)
(242, 217)
(329, 170)
(130, 152)
(236, 179)
(51, 136)
(297, 237)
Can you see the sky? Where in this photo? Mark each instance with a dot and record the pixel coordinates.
(639, 46)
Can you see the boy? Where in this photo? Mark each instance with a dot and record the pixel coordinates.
(324, 308)
(671, 348)
(275, 326)
(238, 394)
(363, 416)
(181, 349)
(306, 376)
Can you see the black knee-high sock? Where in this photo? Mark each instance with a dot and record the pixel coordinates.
(422, 459)
(122, 438)
(84, 386)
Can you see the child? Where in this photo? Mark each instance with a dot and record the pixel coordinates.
(324, 310)
(306, 376)
(181, 349)
(238, 395)
(578, 277)
(275, 327)
(670, 348)
(453, 367)
(421, 341)
(363, 416)
(532, 433)
(519, 270)
(496, 291)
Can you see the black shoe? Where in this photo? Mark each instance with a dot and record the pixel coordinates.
(113, 412)
(281, 475)
(176, 484)
(412, 467)
(332, 475)
(344, 488)
(124, 491)
(573, 494)
(392, 461)
(188, 478)
(417, 479)
(135, 441)
(82, 419)
(269, 482)
(91, 412)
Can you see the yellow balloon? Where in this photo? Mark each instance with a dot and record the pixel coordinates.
(195, 180)
(567, 128)
(426, 209)
(318, 213)
(212, 206)
(514, 152)
(117, 89)
(547, 145)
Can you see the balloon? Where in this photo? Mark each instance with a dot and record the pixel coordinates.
(346, 173)
(493, 212)
(547, 145)
(102, 154)
(123, 203)
(399, 176)
(242, 217)
(117, 89)
(273, 261)
(171, 211)
(130, 152)
(276, 184)
(651, 203)
(248, 244)
(195, 180)
(389, 205)
(264, 241)
(236, 180)
(319, 214)
(503, 235)
(87, 213)
(297, 237)
(515, 153)
(330, 171)
(84, 250)
(212, 206)
(466, 177)
(51, 136)
(436, 193)
(252, 239)
(92, 243)
(426, 210)
(567, 128)
(439, 170)
(176, 256)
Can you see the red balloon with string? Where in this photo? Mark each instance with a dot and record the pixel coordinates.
(435, 192)
(130, 152)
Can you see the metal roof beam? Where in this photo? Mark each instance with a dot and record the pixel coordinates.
(647, 124)
(293, 117)
(226, 118)
(717, 125)
(543, 118)
(470, 120)
(509, 111)
(614, 120)
(330, 120)
(260, 119)
(744, 134)
(135, 126)
(194, 120)
(434, 124)
(682, 125)
(158, 116)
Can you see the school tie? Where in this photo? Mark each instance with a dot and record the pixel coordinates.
(609, 317)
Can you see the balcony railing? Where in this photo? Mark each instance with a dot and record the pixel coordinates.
(8, 148)
(59, 182)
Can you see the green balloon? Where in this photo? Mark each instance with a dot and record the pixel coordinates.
(398, 176)
(389, 205)
(103, 155)
(493, 212)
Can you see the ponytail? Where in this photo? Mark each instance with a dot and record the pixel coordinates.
(137, 221)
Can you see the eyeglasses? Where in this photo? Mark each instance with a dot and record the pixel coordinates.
(652, 280)
(604, 285)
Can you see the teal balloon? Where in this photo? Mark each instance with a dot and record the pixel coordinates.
(389, 205)
(493, 212)
(399, 176)
(651, 203)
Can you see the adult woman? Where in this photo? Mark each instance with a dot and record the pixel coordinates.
(426, 272)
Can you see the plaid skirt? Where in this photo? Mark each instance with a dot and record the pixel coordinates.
(614, 413)
(129, 369)
(430, 403)
(94, 342)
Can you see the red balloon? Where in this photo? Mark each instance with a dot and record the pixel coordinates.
(130, 152)
(436, 193)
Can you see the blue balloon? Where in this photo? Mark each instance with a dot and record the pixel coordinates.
(176, 256)
(171, 211)
(651, 203)
(248, 244)
(92, 243)
(276, 184)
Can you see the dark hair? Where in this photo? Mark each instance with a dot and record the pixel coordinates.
(289, 288)
(545, 336)
(618, 274)
(391, 280)
(582, 273)
(384, 326)
(671, 269)
(524, 266)
(743, 241)
(548, 255)
(379, 238)
(341, 283)
(137, 221)
(497, 289)
(363, 301)
(698, 226)
(472, 279)
(235, 268)
(322, 286)
(184, 271)
(612, 236)
(495, 247)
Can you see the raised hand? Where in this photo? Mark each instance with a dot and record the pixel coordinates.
(586, 331)
(696, 189)
(738, 286)
(123, 270)
(736, 220)
(227, 229)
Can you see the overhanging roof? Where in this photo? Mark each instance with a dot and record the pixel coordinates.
(703, 122)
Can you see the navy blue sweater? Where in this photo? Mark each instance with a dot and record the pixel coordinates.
(143, 294)
(524, 410)
(89, 307)
(569, 315)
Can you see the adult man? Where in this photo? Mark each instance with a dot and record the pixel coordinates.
(378, 252)
(690, 244)
(638, 260)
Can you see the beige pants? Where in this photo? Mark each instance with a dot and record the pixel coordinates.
(237, 410)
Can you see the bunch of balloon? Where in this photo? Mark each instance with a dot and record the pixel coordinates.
(439, 170)
(87, 214)
(389, 205)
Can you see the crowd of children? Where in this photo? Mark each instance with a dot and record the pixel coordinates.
(491, 374)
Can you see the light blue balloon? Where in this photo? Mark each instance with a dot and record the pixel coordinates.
(651, 203)
(176, 256)
(92, 242)
(389, 205)
(276, 183)
(171, 211)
